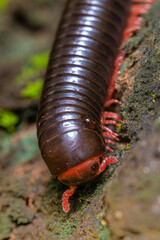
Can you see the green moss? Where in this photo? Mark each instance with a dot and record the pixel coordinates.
(67, 228)
(4, 5)
(8, 120)
(27, 149)
(146, 85)
(5, 226)
(123, 67)
(27, 72)
(21, 151)
(33, 90)
(154, 95)
(119, 127)
(33, 69)
(128, 147)
(39, 61)
(30, 77)
(20, 213)
(104, 235)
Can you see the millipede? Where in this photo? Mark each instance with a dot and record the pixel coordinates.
(85, 59)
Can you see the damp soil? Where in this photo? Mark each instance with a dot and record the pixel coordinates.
(121, 204)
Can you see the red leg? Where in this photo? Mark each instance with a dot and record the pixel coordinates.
(140, 9)
(109, 149)
(105, 162)
(110, 122)
(108, 130)
(109, 135)
(65, 198)
(111, 115)
(109, 141)
(111, 101)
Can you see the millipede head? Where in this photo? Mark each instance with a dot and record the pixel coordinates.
(81, 173)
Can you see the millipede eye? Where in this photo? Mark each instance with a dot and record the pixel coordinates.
(95, 168)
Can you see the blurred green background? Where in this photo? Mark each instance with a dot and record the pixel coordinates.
(27, 30)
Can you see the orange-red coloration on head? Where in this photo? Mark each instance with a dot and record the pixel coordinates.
(83, 172)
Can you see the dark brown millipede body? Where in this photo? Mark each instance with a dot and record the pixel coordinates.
(76, 83)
